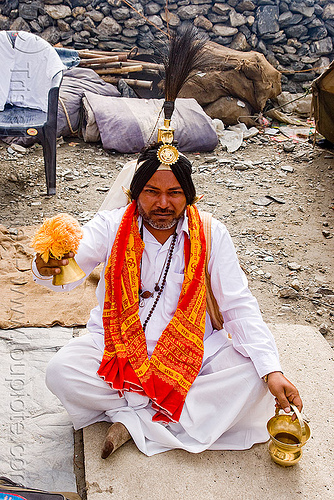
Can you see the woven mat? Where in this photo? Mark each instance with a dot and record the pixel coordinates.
(23, 302)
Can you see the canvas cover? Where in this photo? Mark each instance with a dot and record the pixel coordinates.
(75, 82)
(323, 103)
(126, 124)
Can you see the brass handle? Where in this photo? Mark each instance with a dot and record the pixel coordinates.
(301, 423)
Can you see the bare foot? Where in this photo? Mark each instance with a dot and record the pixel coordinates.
(117, 435)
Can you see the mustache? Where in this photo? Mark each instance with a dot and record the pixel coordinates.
(164, 211)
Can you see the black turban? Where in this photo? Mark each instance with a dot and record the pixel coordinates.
(150, 164)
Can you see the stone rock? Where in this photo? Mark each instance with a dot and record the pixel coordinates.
(324, 46)
(107, 28)
(214, 18)
(78, 11)
(152, 8)
(222, 30)
(314, 23)
(287, 168)
(203, 22)
(28, 11)
(192, 11)
(240, 42)
(293, 19)
(44, 20)
(324, 329)
(115, 3)
(302, 8)
(328, 12)
(57, 11)
(156, 20)
(77, 25)
(134, 23)
(237, 19)
(121, 14)
(221, 9)
(51, 35)
(293, 266)
(296, 31)
(267, 19)
(288, 293)
(172, 19)
(145, 39)
(19, 24)
(285, 18)
(35, 27)
(4, 22)
(317, 33)
(130, 33)
(63, 26)
(9, 6)
(245, 5)
(318, 10)
(95, 15)
(295, 284)
(88, 24)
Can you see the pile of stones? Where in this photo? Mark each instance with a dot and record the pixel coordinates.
(296, 36)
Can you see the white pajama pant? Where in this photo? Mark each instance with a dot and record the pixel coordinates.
(227, 406)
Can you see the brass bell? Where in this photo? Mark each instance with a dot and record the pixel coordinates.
(287, 437)
(68, 274)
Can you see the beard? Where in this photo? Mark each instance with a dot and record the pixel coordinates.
(162, 223)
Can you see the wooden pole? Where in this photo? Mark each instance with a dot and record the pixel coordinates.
(132, 83)
(108, 71)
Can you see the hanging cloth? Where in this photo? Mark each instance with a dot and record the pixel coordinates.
(177, 358)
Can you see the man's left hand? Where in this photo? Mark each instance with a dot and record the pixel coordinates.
(284, 391)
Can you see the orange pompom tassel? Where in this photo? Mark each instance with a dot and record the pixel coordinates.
(57, 236)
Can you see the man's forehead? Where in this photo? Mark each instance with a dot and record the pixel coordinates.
(163, 179)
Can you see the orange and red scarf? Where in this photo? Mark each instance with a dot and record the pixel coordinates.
(177, 358)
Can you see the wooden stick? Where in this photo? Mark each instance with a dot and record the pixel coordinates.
(121, 71)
(102, 60)
(132, 83)
(123, 64)
(102, 53)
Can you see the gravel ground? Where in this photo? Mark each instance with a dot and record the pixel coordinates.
(276, 199)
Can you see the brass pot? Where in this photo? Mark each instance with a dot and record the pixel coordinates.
(287, 437)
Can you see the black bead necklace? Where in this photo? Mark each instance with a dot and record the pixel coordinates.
(159, 288)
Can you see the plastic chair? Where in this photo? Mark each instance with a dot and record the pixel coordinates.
(21, 118)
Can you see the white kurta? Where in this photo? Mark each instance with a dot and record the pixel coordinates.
(228, 405)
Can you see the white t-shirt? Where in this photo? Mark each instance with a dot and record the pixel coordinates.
(27, 69)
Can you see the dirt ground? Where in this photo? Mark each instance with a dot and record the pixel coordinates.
(277, 204)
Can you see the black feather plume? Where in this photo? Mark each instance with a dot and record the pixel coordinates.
(186, 54)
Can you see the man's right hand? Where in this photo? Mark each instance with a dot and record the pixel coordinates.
(52, 267)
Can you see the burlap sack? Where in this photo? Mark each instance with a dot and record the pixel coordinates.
(23, 302)
(245, 75)
(230, 110)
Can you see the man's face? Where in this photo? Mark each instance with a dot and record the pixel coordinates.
(162, 201)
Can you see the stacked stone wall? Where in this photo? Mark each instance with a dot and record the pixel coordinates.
(296, 36)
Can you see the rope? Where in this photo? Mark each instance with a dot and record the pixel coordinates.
(291, 71)
(73, 132)
(144, 17)
(307, 92)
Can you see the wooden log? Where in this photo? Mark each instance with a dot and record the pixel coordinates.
(102, 53)
(145, 84)
(110, 71)
(102, 60)
(156, 68)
